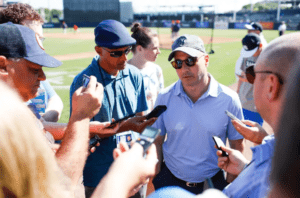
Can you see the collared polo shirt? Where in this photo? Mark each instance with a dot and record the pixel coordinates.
(189, 150)
(123, 95)
(253, 181)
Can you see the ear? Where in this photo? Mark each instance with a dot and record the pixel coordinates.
(139, 48)
(3, 68)
(273, 87)
(99, 50)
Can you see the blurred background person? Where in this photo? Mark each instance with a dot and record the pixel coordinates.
(282, 28)
(48, 103)
(175, 30)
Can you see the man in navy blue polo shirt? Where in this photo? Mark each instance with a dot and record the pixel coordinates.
(196, 112)
(124, 95)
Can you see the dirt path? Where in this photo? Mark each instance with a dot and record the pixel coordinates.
(165, 43)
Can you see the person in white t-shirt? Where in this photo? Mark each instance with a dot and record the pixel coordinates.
(282, 28)
(145, 53)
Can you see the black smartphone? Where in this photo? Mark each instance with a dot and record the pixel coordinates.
(156, 112)
(113, 124)
(220, 143)
(94, 141)
(85, 80)
(147, 137)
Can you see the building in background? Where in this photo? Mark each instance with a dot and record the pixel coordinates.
(90, 11)
(126, 12)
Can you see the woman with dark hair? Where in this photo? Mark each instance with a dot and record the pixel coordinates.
(145, 53)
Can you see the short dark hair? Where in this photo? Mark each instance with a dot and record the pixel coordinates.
(142, 35)
(16, 13)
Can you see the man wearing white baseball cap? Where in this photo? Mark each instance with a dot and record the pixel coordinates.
(252, 48)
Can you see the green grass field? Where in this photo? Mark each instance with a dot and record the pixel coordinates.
(221, 64)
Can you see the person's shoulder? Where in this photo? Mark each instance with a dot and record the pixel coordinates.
(227, 92)
(132, 69)
(170, 89)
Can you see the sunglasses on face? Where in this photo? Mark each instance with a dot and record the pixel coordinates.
(117, 54)
(190, 61)
(250, 74)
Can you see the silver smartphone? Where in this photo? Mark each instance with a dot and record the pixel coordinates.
(147, 137)
(231, 115)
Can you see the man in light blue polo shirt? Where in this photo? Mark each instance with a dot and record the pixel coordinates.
(196, 112)
(270, 80)
(124, 94)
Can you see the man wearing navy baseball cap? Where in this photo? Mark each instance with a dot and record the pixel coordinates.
(19, 42)
(124, 95)
(196, 112)
(21, 60)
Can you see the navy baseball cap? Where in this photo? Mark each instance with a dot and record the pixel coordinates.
(18, 41)
(189, 44)
(250, 43)
(112, 34)
(254, 26)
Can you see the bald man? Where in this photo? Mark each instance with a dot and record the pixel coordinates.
(270, 74)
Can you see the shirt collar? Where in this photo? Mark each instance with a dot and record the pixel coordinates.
(265, 151)
(213, 88)
(106, 76)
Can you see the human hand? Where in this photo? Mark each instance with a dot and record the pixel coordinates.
(137, 124)
(234, 163)
(102, 130)
(86, 102)
(255, 133)
(134, 165)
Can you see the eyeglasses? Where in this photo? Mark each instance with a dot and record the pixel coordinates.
(117, 54)
(250, 74)
(190, 61)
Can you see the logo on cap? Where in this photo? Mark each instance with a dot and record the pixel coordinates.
(245, 47)
(180, 41)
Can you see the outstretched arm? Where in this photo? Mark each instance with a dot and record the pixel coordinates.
(72, 154)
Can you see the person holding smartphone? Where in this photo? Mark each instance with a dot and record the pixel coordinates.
(270, 80)
(196, 105)
(124, 95)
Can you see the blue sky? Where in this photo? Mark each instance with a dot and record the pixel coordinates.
(142, 5)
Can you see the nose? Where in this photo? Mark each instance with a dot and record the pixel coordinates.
(42, 75)
(124, 57)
